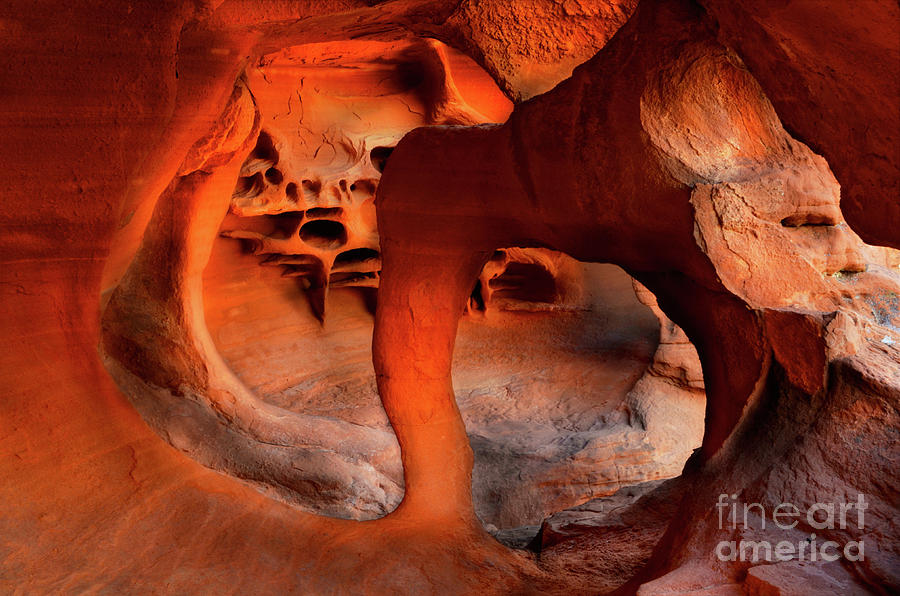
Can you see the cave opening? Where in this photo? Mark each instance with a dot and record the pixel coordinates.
(578, 396)
(560, 391)
(574, 388)
(305, 392)
(563, 370)
(525, 282)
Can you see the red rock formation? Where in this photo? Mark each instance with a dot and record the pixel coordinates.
(306, 192)
(696, 125)
(559, 425)
(530, 47)
(127, 128)
(833, 73)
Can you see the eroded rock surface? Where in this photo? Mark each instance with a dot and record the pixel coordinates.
(551, 348)
(127, 128)
(703, 140)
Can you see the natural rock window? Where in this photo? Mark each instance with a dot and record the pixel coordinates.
(450, 297)
(531, 309)
(324, 338)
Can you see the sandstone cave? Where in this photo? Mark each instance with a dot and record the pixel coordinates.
(451, 297)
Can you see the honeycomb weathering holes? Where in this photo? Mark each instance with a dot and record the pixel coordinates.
(248, 187)
(363, 189)
(323, 212)
(274, 176)
(379, 157)
(291, 191)
(263, 156)
(265, 148)
(324, 233)
(313, 161)
(356, 255)
(311, 189)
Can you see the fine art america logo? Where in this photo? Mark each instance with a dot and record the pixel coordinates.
(734, 515)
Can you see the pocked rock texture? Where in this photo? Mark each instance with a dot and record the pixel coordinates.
(667, 154)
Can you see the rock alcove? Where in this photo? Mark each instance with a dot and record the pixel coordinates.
(455, 269)
(548, 357)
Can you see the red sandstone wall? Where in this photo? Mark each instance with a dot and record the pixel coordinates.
(100, 104)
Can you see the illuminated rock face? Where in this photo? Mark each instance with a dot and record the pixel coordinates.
(138, 134)
(332, 114)
(711, 192)
(547, 360)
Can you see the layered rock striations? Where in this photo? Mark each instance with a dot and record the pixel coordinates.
(174, 405)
